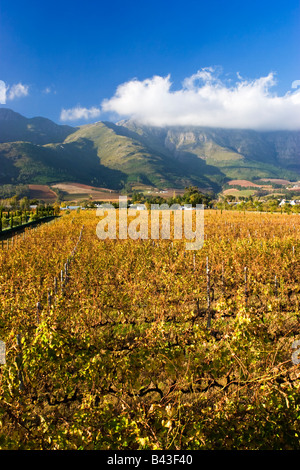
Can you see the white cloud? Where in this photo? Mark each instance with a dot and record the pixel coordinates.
(11, 92)
(204, 100)
(206, 75)
(49, 89)
(296, 83)
(2, 92)
(17, 91)
(77, 113)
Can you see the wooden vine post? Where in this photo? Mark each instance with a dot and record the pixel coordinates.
(246, 285)
(19, 362)
(208, 294)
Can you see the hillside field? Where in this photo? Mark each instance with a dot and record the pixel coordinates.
(142, 344)
(238, 193)
(41, 192)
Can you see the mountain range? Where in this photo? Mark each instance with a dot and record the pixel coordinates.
(105, 154)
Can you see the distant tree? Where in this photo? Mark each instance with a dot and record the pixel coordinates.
(24, 203)
(192, 195)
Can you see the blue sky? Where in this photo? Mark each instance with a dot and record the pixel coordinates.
(59, 56)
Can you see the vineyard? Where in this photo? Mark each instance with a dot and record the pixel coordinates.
(141, 344)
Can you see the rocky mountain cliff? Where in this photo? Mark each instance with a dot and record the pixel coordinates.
(215, 144)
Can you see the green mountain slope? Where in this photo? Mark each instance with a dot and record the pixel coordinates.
(111, 155)
(38, 130)
(117, 149)
(23, 162)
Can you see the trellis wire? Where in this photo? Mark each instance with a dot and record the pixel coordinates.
(64, 278)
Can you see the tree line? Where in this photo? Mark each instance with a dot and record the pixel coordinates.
(13, 218)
